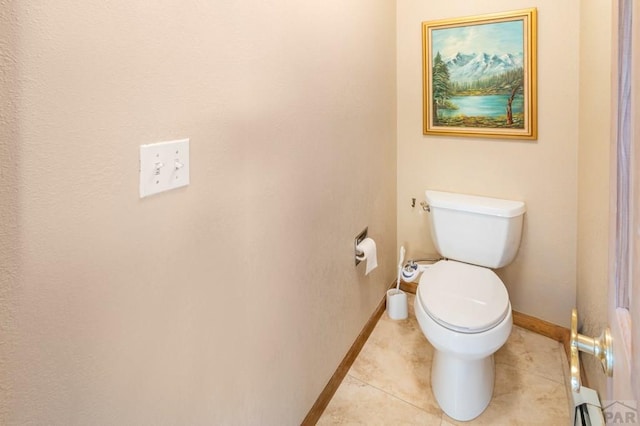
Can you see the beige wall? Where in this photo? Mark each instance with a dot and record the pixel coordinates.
(542, 279)
(230, 301)
(233, 300)
(593, 175)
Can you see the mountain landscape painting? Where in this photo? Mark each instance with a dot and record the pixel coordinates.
(480, 75)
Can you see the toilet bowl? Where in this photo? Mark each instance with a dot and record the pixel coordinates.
(462, 306)
(464, 312)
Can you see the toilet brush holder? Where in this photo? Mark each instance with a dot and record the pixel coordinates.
(397, 304)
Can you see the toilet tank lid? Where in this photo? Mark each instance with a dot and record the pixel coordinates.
(475, 204)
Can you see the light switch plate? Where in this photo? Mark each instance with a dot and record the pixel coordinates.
(163, 166)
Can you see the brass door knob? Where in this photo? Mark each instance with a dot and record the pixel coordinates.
(601, 347)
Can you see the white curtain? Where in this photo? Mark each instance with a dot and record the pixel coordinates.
(623, 212)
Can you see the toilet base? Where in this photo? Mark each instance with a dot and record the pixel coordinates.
(462, 387)
(463, 372)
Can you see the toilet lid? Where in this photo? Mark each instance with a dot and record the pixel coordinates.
(463, 297)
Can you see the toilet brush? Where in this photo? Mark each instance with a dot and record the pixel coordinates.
(402, 252)
(396, 298)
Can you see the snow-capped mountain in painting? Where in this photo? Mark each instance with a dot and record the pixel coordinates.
(467, 67)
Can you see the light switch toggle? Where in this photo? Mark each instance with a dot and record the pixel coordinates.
(157, 167)
(178, 165)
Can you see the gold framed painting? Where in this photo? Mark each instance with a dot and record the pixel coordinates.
(480, 75)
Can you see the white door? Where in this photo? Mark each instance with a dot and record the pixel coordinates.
(621, 403)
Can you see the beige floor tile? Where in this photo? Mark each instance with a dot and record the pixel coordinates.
(392, 372)
(533, 353)
(397, 359)
(356, 403)
(522, 398)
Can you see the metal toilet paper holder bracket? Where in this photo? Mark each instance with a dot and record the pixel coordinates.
(359, 238)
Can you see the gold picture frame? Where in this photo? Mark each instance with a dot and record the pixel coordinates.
(479, 75)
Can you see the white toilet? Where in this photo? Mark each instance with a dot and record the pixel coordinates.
(461, 305)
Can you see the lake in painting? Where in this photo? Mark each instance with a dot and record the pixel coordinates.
(485, 106)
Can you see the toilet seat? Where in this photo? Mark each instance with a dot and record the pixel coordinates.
(462, 297)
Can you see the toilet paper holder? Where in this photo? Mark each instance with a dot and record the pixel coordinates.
(359, 238)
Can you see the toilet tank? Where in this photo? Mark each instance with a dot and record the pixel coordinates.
(478, 230)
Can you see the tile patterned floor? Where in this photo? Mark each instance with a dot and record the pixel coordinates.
(388, 383)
